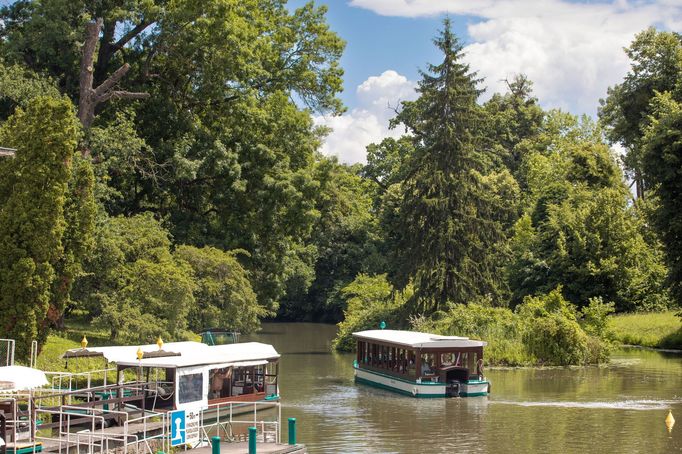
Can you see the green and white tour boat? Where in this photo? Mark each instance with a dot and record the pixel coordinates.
(420, 364)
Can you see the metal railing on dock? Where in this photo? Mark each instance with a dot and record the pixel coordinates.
(224, 418)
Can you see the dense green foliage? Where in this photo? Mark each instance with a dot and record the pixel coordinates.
(223, 294)
(579, 228)
(663, 166)
(371, 300)
(643, 113)
(545, 243)
(207, 204)
(134, 286)
(32, 220)
(656, 59)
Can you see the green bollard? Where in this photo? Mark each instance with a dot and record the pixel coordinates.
(292, 431)
(215, 445)
(252, 440)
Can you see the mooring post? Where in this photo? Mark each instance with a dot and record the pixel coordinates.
(292, 431)
(215, 445)
(252, 440)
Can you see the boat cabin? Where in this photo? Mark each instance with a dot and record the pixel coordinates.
(220, 336)
(421, 358)
(191, 374)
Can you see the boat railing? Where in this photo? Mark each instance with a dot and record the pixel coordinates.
(229, 420)
(106, 397)
(69, 381)
(7, 352)
(18, 421)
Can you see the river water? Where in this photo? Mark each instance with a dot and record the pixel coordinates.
(616, 408)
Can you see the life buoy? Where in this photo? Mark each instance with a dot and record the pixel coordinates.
(415, 391)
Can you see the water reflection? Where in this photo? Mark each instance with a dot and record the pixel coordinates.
(619, 408)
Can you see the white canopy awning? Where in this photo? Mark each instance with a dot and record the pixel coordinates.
(185, 354)
(416, 339)
(20, 378)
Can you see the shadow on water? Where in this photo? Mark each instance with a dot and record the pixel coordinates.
(619, 408)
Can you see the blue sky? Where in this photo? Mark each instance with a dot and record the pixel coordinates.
(571, 50)
(375, 43)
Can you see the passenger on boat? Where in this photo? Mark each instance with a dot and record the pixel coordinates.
(217, 383)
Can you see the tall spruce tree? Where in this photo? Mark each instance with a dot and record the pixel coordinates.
(448, 212)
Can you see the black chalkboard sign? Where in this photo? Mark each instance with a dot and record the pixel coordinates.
(191, 388)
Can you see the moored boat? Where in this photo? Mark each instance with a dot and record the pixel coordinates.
(192, 374)
(420, 364)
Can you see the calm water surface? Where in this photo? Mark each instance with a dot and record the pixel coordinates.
(620, 408)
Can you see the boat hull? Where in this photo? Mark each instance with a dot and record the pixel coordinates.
(411, 388)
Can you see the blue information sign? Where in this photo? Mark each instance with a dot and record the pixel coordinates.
(177, 427)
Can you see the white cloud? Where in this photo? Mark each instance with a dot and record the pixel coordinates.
(572, 51)
(378, 96)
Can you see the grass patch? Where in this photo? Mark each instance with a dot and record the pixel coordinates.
(650, 329)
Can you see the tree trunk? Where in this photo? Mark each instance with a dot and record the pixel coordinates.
(90, 97)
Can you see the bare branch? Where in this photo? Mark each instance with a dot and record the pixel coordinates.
(89, 97)
(118, 94)
(139, 28)
(111, 81)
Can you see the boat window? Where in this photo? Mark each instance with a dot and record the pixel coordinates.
(220, 381)
(190, 388)
(271, 373)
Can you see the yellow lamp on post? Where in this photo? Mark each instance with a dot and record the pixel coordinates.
(159, 342)
(84, 342)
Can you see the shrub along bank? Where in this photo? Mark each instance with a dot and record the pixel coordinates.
(543, 330)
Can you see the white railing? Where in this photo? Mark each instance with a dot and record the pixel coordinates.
(94, 436)
(7, 352)
(20, 429)
(222, 418)
(60, 380)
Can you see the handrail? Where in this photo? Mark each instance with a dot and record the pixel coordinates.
(11, 343)
(223, 413)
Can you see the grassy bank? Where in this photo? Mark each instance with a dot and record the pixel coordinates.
(655, 329)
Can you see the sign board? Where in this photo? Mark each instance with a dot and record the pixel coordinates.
(177, 427)
(193, 425)
(185, 426)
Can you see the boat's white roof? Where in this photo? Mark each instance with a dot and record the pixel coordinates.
(20, 378)
(415, 339)
(191, 354)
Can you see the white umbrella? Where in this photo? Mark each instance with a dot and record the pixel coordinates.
(20, 378)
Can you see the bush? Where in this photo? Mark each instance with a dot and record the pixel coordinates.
(370, 300)
(556, 340)
(553, 334)
(500, 327)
